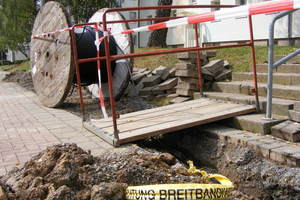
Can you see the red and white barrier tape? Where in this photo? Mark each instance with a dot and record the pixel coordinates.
(240, 11)
(101, 96)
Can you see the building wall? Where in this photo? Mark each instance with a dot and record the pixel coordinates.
(143, 37)
(236, 29)
(13, 56)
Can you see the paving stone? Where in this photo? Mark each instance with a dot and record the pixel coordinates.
(188, 80)
(265, 148)
(168, 84)
(225, 75)
(287, 130)
(187, 55)
(186, 73)
(157, 91)
(214, 67)
(151, 81)
(180, 99)
(172, 95)
(172, 72)
(183, 92)
(297, 106)
(159, 70)
(282, 154)
(294, 115)
(293, 160)
(187, 86)
(197, 95)
(186, 66)
(165, 75)
(146, 91)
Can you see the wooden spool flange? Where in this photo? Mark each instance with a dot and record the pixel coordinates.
(51, 59)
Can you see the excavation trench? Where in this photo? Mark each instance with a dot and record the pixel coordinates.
(253, 176)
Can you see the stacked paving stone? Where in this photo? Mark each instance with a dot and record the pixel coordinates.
(180, 82)
(290, 129)
(186, 71)
(159, 82)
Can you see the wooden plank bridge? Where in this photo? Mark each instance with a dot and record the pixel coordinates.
(147, 123)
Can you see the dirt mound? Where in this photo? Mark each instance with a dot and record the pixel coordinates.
(68, 172)
(23, 78)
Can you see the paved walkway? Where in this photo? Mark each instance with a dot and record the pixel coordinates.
(26, 127)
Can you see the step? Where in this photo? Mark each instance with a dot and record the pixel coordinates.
(244, 87)
(278, 78)
(280, 107)
(256, 123)
(288, 130)
(285, 68)
(269, 147)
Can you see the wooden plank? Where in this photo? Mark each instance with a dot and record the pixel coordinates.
(175, 116)
(183, 124)
(161, 111)
(154, 110)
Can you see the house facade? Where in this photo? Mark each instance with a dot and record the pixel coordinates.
(287, 29)
(140, 39)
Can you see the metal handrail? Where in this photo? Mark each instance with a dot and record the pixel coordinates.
(271, 64)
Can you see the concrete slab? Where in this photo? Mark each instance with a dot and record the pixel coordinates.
(288, 130)
(278, 78)
(255, 123)
(281, 107)
(279, 91)
(294, 115)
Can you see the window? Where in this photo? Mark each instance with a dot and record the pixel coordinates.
(241, 2)
(216, 3)
(132, 15)
(149, 22)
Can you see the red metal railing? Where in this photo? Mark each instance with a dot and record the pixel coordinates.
(110, 58)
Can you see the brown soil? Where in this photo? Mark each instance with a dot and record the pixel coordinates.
(68, 172)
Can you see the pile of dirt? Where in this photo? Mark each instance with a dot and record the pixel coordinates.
(23, 78)
(68, 172)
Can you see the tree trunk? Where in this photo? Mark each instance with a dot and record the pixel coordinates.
(158, 37)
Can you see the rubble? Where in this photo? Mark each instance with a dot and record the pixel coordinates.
(68, 172)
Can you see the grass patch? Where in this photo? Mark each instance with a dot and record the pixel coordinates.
(24, 66)
(152, 62)
(239, 57)
(160, 101)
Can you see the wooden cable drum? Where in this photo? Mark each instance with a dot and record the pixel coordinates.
(53, 71)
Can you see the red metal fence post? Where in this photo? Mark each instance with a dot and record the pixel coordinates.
(76, 63)
(110, 82)
(200, 80)
(255, 89)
